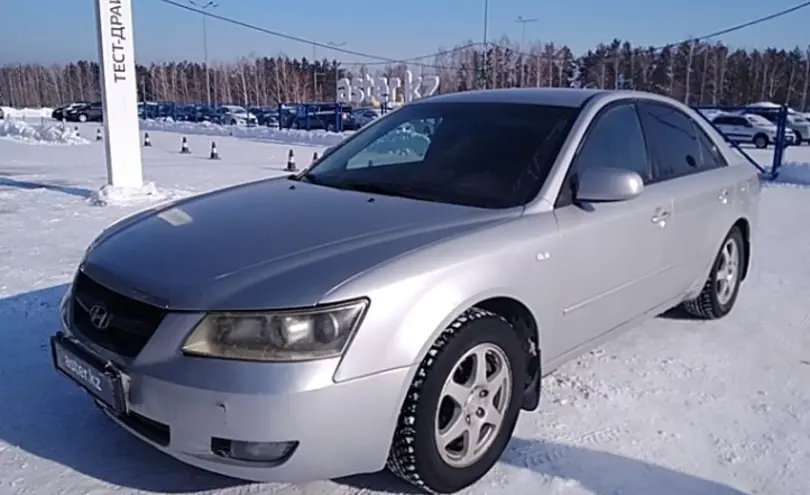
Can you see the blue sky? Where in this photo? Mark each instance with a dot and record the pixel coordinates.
(49, 31)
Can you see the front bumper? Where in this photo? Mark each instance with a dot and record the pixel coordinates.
(180, 404)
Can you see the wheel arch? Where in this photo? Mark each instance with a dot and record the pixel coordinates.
(745, 228)
(517, 313)
(523, 321)
(744, 225)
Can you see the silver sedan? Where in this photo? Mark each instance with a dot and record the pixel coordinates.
(398, 303)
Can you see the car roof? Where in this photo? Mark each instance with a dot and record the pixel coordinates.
(564, 97)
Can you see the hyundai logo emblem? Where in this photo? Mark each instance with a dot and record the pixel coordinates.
(100, 317)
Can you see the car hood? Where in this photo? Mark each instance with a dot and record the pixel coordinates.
(268, 244)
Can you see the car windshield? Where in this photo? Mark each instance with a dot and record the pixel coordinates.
(488, 155)
(759, 120)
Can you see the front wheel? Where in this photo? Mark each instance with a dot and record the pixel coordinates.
(761, 141)
(462, 406)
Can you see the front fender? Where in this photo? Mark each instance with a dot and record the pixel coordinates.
(405, 318)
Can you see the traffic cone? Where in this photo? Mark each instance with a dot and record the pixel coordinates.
(315, 157)
(291, 162)
(147, 143)
(98, 134)
(214, 152)
(184, 146)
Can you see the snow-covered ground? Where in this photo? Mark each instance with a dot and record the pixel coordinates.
(675, 407)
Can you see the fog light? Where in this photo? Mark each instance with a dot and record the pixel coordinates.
(272, 452)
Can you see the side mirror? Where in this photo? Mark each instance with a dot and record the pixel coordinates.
(603, 184)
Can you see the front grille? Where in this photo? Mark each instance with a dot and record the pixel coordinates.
(130, 323)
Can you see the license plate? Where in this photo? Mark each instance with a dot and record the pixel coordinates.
(97, 377)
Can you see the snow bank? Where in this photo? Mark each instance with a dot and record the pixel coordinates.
(794, 173)
(39, 134)
(26, 113)
(124, 196)
(292, 136)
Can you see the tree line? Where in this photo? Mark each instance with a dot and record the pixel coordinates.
(697, 73)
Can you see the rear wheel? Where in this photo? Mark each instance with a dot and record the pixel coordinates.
(82, 118)
(761, 141)
(462, 406)
(720, 291)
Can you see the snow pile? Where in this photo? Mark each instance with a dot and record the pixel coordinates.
(125, 196)
(39, 134)
(309, 138)
(26, 113)
(794, 173)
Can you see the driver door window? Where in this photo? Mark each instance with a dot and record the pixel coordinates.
(406, 143)
(615, 140)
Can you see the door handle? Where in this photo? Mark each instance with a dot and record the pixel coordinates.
(660, 218)
(723, 197)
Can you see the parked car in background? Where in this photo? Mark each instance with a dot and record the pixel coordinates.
(360, 117)
(750, 128)
(87, 112)
(796, 121)
(266, 116)
(250, 332)
(59, 112)
(2, 114)
(315, 121)
(204, 113)
(157, 110)
(236, 115)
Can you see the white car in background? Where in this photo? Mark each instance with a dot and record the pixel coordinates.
(750, 128)
(796, 121)
(236, 115)
(799, 124)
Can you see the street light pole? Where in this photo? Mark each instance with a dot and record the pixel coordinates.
(523, 23)
(205, 6)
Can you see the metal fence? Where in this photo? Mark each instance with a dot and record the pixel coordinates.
(778, 115)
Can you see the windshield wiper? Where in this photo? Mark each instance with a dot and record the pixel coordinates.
(299, 177)
(382, 189)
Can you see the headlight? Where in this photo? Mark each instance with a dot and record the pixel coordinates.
(298, 335)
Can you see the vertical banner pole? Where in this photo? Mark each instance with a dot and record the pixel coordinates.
(119, 95)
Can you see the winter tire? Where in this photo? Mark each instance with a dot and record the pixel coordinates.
(82, 118)
(720, 291)
(462, 406)
(761, 141)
